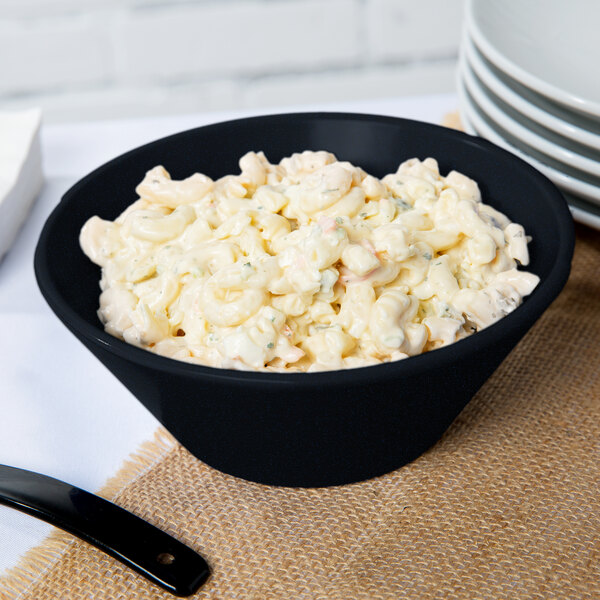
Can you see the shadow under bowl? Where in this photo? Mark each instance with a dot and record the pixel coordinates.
(306, 429)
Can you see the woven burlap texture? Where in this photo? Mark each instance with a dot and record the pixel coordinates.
(506, 505)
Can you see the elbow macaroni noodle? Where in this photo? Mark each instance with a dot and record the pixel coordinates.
(306, 265)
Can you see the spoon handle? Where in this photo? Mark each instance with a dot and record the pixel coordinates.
(151, 552)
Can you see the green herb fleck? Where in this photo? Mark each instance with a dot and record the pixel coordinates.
(339, 220)
(438, 263)
(402, 203)
(270, 345)
(427, 256)
(363, 214)
(247, 264)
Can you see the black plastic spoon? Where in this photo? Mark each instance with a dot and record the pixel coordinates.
(151, 552)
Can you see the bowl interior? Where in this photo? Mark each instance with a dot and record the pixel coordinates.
(377, 144)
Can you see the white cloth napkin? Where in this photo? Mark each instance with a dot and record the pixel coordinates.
(20, 170)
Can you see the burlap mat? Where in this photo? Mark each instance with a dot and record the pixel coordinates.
(506, 505)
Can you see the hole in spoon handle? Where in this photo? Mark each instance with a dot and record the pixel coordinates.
(151, 552)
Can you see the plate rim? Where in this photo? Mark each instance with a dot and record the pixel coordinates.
(580, 214)
(560, 153)
(557, 177)
(529, 109)
(557, 94)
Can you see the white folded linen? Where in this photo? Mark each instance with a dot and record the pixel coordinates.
(21, 175)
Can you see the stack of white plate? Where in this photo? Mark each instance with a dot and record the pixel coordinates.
(529, 81)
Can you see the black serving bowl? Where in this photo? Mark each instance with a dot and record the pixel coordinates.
(302, 429)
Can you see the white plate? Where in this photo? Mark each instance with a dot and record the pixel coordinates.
(560, 148)
(537, 108)
(565, 181)
(582, 211)
(551, 46)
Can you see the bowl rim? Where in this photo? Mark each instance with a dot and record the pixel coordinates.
(528, 312)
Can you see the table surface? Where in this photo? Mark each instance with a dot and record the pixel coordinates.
(63, 413)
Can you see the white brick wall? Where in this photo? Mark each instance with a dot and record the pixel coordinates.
(352, 84)
(96, 59)
(236, 38)
(45, 54)
(404, 29)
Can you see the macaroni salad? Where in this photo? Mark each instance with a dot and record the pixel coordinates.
(307, 265)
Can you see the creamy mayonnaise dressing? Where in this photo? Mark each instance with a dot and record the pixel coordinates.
(306, 265)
